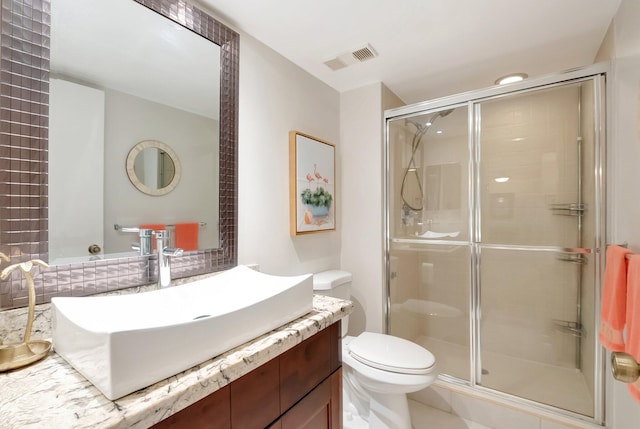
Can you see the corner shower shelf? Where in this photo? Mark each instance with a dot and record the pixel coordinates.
(569, 209)
(571, 328)
(574, 258)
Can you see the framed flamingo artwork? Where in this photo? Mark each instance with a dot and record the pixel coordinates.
(312, 184)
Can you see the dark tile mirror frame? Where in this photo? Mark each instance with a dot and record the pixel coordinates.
(24, 98)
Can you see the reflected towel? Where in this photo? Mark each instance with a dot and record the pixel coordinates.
(614, 299)
(632, 333)
(187, 235)
(155, 227)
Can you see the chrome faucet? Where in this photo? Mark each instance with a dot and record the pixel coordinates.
(164, 261)
(143, 246)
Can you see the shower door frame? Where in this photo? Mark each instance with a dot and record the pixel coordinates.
(471, 100)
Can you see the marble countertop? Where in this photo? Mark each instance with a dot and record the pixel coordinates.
(51, 394)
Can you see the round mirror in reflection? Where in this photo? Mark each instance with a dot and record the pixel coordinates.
(153, 167)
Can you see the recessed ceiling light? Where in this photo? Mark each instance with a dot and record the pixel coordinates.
(510, 78)
(501, 179)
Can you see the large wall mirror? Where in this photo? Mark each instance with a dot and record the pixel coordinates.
(118, 72)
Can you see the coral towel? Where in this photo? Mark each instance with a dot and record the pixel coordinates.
(187, 235)
(632, 333)
(614, 299)
(154, 226)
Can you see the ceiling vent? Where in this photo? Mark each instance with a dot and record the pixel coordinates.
(359, 55)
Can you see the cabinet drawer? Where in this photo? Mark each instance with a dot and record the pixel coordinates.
(306, 365)
(320, 409)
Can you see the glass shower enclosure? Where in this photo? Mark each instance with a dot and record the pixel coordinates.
(494, 231)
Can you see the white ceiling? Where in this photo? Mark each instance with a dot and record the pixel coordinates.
(427, 48)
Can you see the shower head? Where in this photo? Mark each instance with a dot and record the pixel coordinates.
(422, 124)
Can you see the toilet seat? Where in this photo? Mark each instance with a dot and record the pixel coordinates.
(389, 353)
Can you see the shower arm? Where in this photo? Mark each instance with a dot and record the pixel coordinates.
(411, 168)
(421, 130)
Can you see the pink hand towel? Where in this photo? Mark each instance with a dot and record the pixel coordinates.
(614, 299)
(632, 332)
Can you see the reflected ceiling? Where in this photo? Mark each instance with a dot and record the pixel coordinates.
(165, 76)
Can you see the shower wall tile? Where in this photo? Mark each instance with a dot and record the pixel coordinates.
(529, 147)
(522, 293)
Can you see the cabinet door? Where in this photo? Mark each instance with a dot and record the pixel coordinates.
(211, 412)
(306, 365)
(320, 409)
(254, 397)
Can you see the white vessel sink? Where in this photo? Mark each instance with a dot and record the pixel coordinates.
(126, 342)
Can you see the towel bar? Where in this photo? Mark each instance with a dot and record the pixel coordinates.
(121, 228)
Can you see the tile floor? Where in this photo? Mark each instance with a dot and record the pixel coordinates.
(422, 417)
(426, 417)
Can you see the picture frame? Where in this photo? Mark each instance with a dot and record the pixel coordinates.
(312, 184)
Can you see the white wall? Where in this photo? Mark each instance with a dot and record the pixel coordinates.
(129, 120)
(76, 168)
(361, 123)
(624, 175)
(275, 97)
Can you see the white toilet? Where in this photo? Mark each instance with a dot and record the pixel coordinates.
(378, 370)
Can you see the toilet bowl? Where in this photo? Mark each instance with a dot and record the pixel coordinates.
(378, 369)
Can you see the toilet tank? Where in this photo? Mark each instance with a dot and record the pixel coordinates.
(336, 284)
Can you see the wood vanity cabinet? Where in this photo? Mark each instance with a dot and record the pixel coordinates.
(320, 409)
(302, 388)
(210, 412)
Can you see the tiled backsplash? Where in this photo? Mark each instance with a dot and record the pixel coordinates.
(24, 106)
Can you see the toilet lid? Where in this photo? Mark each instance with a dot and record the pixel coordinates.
(391, 353)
